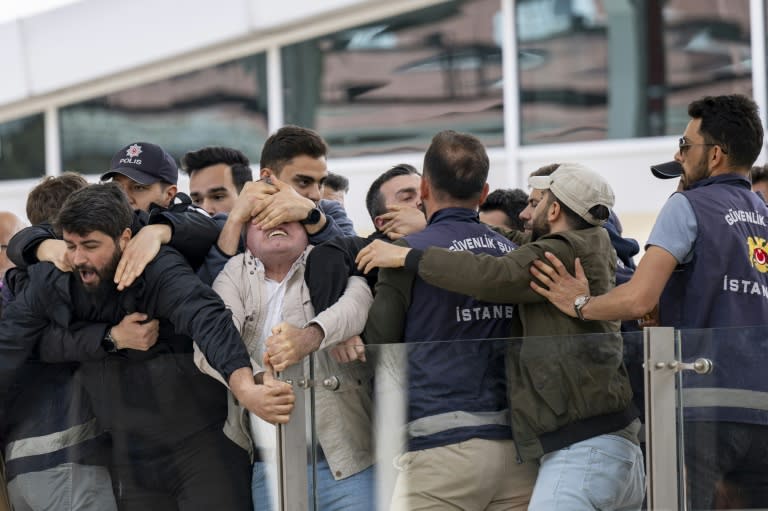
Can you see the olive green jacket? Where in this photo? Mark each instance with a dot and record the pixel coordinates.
(562, 371)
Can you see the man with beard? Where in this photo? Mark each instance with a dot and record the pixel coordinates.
(164, 417)
(706, 266)
(569, 394)
(45, 468)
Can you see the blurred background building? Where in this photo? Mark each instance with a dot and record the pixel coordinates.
(602, 82)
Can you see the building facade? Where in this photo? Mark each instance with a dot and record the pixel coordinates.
(605, 83)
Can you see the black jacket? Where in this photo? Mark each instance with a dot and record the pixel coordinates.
(146, 399)
(330, 264)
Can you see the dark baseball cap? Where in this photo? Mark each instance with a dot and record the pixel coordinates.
(145, 163)
(668, 170)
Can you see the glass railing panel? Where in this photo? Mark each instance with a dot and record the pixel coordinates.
(155, 431)
(414, 417)
(723, 405)
(127, 430)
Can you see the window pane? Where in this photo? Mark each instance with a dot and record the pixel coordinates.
(22, 148)
(391, 85)
(220, 105)
(593, 70)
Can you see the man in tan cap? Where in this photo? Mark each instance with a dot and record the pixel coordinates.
(569, 394)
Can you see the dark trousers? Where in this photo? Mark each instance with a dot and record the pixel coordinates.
(204, 472)
(726, 460)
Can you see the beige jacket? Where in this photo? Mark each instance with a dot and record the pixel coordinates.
(343, 416)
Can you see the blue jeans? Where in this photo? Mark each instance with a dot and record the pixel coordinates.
(350, 494)
(602, 473)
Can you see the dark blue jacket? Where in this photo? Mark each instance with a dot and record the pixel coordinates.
(450, 376)
(724, 289)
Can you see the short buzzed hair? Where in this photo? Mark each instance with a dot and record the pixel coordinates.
(456, 164)
(289, 142)
(238, 163)
(374, 200)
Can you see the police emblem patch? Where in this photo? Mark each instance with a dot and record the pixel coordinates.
(758, 253)
(133, 151)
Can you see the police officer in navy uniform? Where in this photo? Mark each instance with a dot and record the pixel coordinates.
(706, 265)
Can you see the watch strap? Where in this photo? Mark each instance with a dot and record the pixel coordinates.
(579, 304)
(313, 217)
(108, 343)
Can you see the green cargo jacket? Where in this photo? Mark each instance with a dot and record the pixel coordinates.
(563, 370)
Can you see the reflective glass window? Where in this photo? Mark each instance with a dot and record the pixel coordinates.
(22, 148)
(392, 84)
(224, 104)
(593, 69)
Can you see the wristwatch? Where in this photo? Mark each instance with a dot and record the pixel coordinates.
(108, 343)
(579, 304)
(313, 217)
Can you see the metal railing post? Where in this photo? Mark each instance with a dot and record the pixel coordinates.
(292, 449)
(660, 419)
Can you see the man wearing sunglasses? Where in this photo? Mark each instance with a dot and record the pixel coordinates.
(706, 264)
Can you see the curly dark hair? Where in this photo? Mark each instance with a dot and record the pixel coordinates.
(732, 123)
(101, 207)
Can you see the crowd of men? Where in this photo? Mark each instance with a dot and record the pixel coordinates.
(143, 330)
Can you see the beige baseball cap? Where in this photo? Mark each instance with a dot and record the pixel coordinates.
(578, 188)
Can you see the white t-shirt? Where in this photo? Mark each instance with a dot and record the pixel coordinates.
(262, 431)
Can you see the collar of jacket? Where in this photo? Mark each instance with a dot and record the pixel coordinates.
(300, 261)
(455, 214)
(724, 179)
